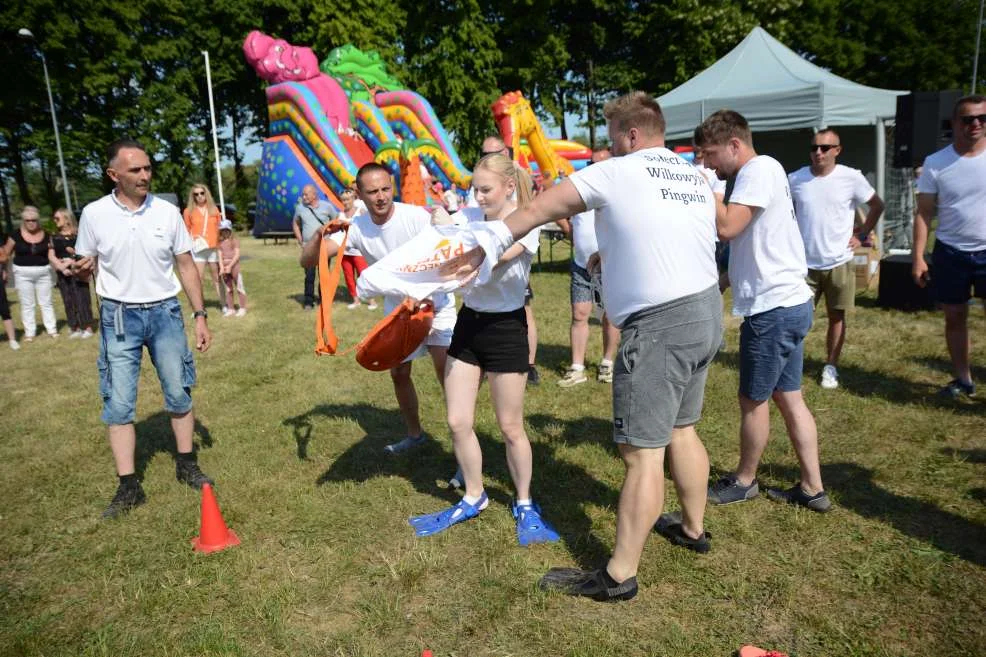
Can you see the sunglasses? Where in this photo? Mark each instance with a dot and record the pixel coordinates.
(969, 118)
(31, 221)
(198, 193)
(825, 148)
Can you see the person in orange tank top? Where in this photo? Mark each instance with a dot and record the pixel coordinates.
(202, 220)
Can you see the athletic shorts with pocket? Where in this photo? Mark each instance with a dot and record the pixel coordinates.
(661, 368)
(837, 285)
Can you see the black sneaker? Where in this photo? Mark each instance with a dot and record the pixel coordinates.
(956, 389)
(728, 490)
(188, 472)
(669, 526)
(819, 502)
(533, 378)
(595, 584)
(126, 498)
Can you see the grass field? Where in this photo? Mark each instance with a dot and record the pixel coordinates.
(329, 566)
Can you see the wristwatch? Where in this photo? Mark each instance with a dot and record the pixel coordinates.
(200, 313)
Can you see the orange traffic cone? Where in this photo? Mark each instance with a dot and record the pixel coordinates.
(214, 534)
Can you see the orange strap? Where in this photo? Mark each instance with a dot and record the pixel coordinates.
(326, 340)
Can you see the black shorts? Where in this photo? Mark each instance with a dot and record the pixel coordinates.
(495, 342)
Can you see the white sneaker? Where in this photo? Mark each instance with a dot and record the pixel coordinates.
(830, 377)
(241, 312)
(227, 312)
(14, 345)
(354, 305)
(372, 305)
(86, 334)
(75, 335)
(573, 377)
(54, 335)
(605, 373)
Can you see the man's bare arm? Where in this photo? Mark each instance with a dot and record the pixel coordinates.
(922, 226)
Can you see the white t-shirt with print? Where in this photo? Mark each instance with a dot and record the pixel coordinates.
(507, 286)
(375, 241)
(136, 249)
(655, 225)
(583, 237)
(826, 210)
(767, 266)
(960, 183)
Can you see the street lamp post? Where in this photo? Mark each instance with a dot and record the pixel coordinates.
(26, 34)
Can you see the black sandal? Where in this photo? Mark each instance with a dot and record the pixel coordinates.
(669, 526)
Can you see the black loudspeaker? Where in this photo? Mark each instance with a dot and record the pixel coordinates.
(924, 125)
(897, 288)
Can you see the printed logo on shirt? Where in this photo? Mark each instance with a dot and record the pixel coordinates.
(441, 253)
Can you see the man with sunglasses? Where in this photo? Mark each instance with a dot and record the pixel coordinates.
(140, 242)
(826, 196)
(953, 185)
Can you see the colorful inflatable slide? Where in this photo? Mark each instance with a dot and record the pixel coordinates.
(325, 122)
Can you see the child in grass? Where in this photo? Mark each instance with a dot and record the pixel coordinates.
(229, 269)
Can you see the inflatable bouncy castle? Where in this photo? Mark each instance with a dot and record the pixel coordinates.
(325, 121)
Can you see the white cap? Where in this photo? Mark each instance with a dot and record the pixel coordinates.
(225, 224)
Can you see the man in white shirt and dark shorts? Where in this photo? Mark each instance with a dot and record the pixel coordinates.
(767, 270)
(826, 196)
(655, 224)
(953, 182)
(136, 239)
(385, 226)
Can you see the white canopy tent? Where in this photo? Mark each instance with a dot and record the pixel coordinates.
(776, 89)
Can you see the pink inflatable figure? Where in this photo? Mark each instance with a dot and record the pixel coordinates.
(276, 60)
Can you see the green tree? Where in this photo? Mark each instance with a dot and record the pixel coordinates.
(452, 56)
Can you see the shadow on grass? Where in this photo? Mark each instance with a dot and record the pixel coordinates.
(924, 521)
(553, 483)
(944, 366)
(154, 435)
(341, 295)
(974, 455)
(865, 383)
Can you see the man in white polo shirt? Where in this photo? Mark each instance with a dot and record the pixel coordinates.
(136, 239)
(767, 272)
(953, 182)
(386, 226)
(655, 224)
(826, 196)
(581, 228)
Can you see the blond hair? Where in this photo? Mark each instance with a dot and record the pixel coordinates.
(636, 109)
(210, 205)
(69, 219)
(507, 169)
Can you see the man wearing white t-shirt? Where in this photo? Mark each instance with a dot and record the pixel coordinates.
(136, 240)
(386, 226)
(581, 228)
(953, 182)
(655, 225)
(826, 196)
(767, 270)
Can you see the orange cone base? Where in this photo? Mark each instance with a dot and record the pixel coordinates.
(231, 540)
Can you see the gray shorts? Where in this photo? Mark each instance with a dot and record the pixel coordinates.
(660, 372)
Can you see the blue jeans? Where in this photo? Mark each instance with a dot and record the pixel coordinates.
(772, 350)
(125, 329)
